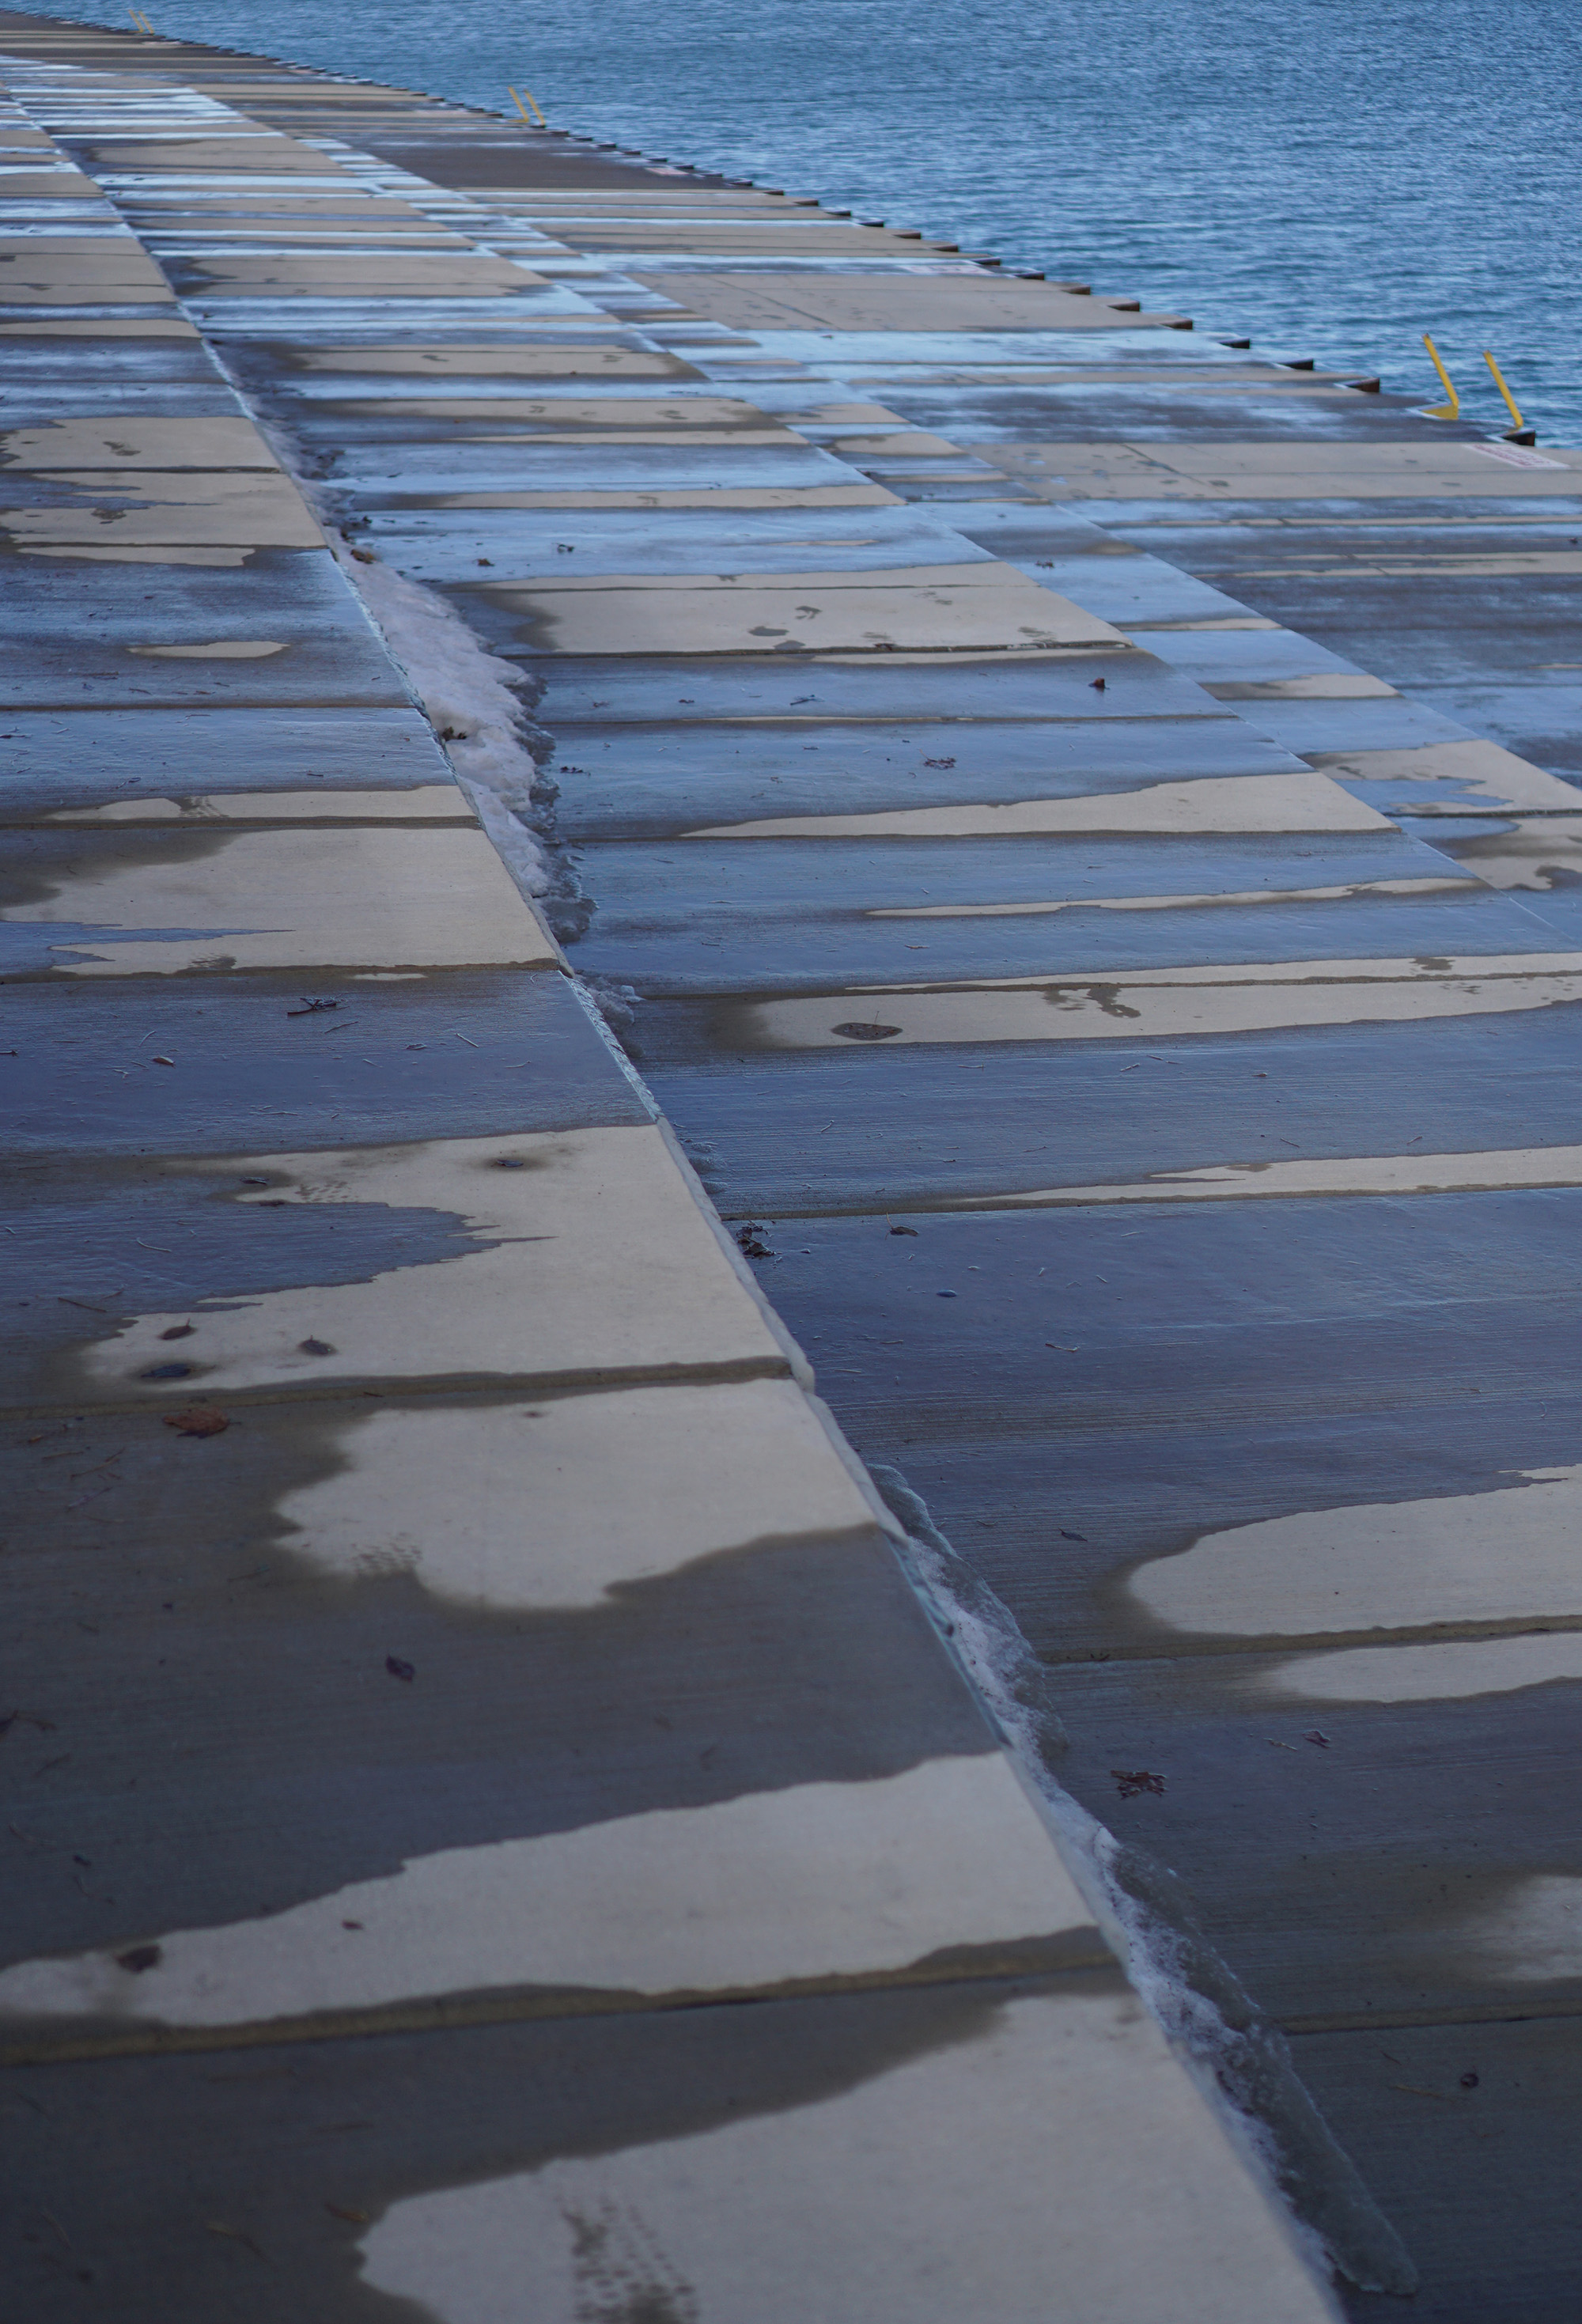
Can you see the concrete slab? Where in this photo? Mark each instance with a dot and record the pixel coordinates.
(77, 511)
(263, 151)
(817, 1131)
(1167, 1003)
(598, 359)
(282, 628)
(692, 2185)
(1246, 471)
(652, 779)
(912, 303)
(1241, 803)
(1464, 776)
(1017, 827)
(916, 686)
(951, 608)
(83, 758)
(116, 442)
(776, 1889)
(340, 896)
(589, 1261)
(506, 2104)
(365, 275)
(426, 1055)
(445, 546)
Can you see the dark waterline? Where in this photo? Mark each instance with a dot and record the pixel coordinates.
(1334, 179)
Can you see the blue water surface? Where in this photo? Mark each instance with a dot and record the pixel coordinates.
(1331, 176)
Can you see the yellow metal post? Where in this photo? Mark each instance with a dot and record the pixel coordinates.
(1442, 410)
(1504, 390)
(522, 108)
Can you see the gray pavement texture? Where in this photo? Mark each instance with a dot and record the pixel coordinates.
(499, 1819)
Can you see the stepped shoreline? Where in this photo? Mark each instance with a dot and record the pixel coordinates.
(620, 787)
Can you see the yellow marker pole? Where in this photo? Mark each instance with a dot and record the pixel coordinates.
(1442, 410)
(1504, 390)
(522, 108)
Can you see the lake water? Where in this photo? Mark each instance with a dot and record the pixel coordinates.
(1332, 178)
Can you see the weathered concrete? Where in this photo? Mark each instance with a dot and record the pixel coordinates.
(1109, 873)
(492, 1819)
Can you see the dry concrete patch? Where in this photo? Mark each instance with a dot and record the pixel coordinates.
(816, 1881)
(597, 1260)
(569, 1500)
(1351, 1175)
(145, 508)
(1502, 1556)
(112, 443)
(1168, 1003)
(1452, 1671)
(1488, 776)
(959, 607)
(911, 302)
(1211, 804)
(303, 899)
(1082, 2078)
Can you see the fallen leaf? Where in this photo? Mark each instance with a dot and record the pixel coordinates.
(339, 2210)
(854, 1032)
(1129, 1782)
(314, 1348)
(180, 1331)
(398, 1669)
(139, 1957)
(198, 1420)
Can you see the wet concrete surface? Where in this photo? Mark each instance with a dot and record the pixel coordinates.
(457, 1646)
(1136, 1343)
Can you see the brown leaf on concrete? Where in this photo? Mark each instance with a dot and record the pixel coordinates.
(1129, 1782)
(198, 1420)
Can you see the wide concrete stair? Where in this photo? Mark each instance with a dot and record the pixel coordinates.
(498, 1820)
